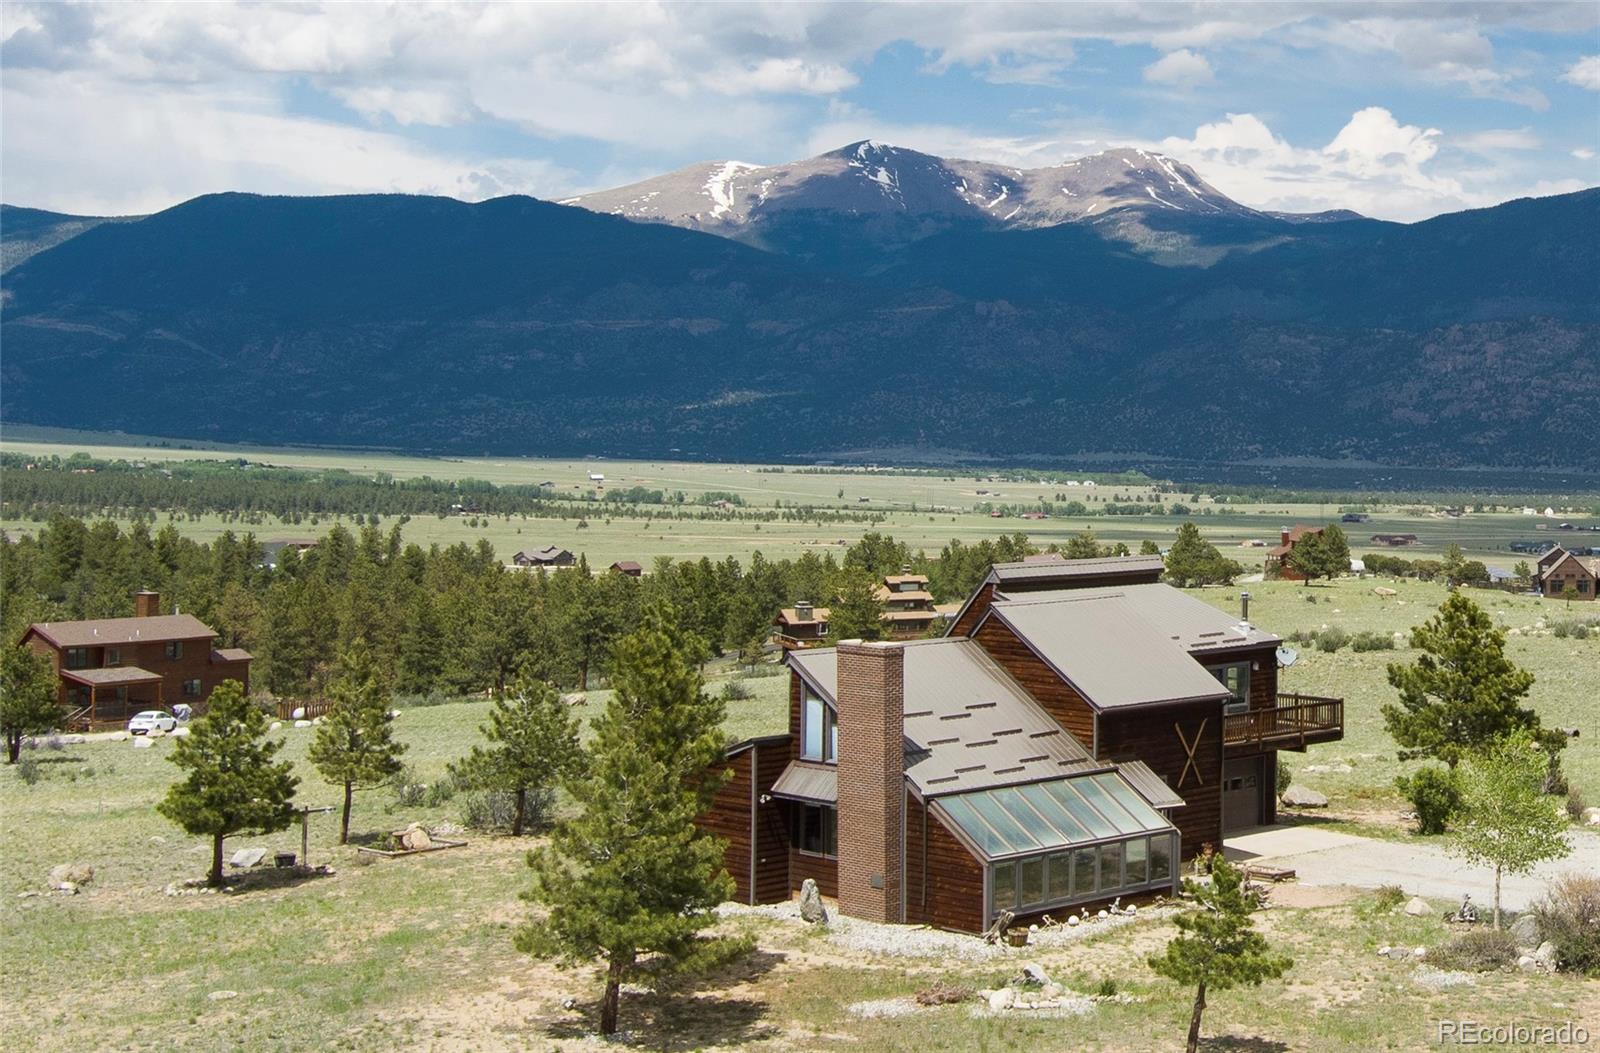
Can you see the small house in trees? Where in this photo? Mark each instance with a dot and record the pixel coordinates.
(1065, 743)
(800, 626)
(1394, 540)
(549, 556)
(107, 669)
(1278, 564)
(908, 609)
(628, 567)
(1560, 570)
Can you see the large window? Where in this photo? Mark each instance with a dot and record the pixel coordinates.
(174, 649)
(76, 657)
(1078, 875)
(819, 731)
(816, 829)
(191, 689)
(113, 656)
(1236, 678)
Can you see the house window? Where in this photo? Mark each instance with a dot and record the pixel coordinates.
(113, 656)
(819, 731)
(77, 658)
(1583, 587)
(191, 688)
(816, 830)
(1236, 678)
(174, 649)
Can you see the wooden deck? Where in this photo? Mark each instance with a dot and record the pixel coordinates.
(1297, 721)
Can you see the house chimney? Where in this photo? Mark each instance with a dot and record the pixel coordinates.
(871, 697)
(146, 604)
(1283, 537)
(1244, 608)
(802, 611)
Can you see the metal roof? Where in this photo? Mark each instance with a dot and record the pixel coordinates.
(805, 781)
(111, 676)
(1049, 816)
(231, 654)
(109, 632)
(1067, 569)
(1107, 651)
(1151, 786)
(968, 725)
(1191, 623)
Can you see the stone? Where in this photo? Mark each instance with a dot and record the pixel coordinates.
(1073, 921)
(69, 887)
(222, 996)
(247, 857)
(118, 736)
(1300, 797)
(577, 698)
(180, 733)
(275, 725)
(73, 874)
(154, 733)
(1546, 956)
(1002, 999)
(299, 713)
(1050, 992)
(1384, 590)
(1591, 817)
(142, 743)
(302, 723)
(1527, 962)
(415, 837)
(811, 908)
(1419, 952)
(1418, 907)
(1525, 930)
(1034, 974)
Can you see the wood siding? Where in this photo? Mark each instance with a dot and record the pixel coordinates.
(1263, 695)
(1148, 734)
(975, 611)
(771, 829)
(1054, 695)
(949, 875)
(730, 818)
(823, 870)
(193, 664)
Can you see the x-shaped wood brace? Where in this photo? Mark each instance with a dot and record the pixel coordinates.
(1189, 748)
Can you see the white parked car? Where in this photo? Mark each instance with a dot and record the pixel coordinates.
(151, 720)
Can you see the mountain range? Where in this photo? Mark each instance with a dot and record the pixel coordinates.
(869, 302)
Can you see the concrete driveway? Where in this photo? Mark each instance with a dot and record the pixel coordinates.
(1323, 857)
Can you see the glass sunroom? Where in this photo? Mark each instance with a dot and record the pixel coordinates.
(1054, 844)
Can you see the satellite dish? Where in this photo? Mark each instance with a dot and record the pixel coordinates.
(1286, 657)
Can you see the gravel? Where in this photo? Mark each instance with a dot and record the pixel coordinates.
(882, 1008)
(1438, 979)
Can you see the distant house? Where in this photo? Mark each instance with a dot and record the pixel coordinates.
(628, 567)
(1278, 564)
(271, 550)
(800, 626)
(1394, 540)
(107, 669)
(1560, 570)
(908, 606)
(597, 477)
(549, 556)
(1354, 517)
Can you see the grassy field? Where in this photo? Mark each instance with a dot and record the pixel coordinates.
(924, 511)
(415, 954)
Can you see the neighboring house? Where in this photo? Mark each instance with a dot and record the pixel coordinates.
(1066, 743)
(1559, 572)
(549, 556)
(1394, 540)
(110, 668)
(800, 626)
(270, 550)
(628, 567)
(908, 610)
(1354, 517)
(1277, 564)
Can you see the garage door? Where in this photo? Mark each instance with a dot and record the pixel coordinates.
(1241, 793)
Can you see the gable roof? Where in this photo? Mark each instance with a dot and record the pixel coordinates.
(1170, 614)
(1591, 567)
(789, 616)
(968, 725)
(1037, 571)
(111, 632)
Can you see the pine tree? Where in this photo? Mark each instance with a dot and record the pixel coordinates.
(27, 698)
(1506, 822)
(856, 613)
(1462, 692)
(1216, 947)
(233, 785)
(1335, 551)
(631, 875)
(355, 747)
(533, 745)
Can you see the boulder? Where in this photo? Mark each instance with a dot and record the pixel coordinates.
(299, 713)
(1384, 590)
(154, 733)
(811, 908)
(118, 736)
(1034, 975)
(142, 743)
(1527, 962)
(1591, 817)
(1002, 999)
(1525, 930)
(275, 725)
(70, 874)
(415, 837)
(1300, 797)
(1418, 907)
(247, 857)
(1546, 956)
(180, 733)
(302, 723)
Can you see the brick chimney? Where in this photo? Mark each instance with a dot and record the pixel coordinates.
(146, 604)
(1283, 537)
(871, 697)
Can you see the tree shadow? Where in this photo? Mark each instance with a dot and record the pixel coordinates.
(267, 879)
(679, 1020)
(54, 758)
(1243, 1044)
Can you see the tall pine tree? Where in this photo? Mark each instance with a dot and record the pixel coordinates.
(533, 746)
(631, 880)
(355, 747)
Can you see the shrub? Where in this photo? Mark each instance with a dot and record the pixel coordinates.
(441, 791)
(1480, 950)
(942, 993)
(1569, 917)
(1436, 795)
(1285, 778)
(733, 691)
(1330, 640)
(1371, 641)
(1575, 804)
(409, 789)
(419, 701)
(1106, 988)
(496, 809)
(1388, 897)
(28, 770)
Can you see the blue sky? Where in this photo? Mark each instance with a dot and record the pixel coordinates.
(1397, 109)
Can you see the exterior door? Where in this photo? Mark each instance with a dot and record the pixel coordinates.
(1241, 793)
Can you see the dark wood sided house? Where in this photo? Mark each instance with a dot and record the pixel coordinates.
(1078, 732)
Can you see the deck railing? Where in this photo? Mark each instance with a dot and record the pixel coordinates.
(1294, 721)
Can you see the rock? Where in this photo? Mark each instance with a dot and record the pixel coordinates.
(142, 743)
(1050, 992)
(415, 837)
(73, 874)
(1525, 930)
(247, 857)
(1527, 962)
(1419, 952)
(1133, 908)
(1383, 590)
(299, 713)
(1002, 999)
(302, 723)
(275, 725)
(1103, 915)
(180, 733)
(154, 733)
(1034, 974)
(222, 996)
(1546, 956)
(1418, 907)
(811, 908)
(1073, 921)
(1334, 768)
(118, 736)
(1591, 817)
(69, 887)
(577, 698)
(1383, 952)
(1300, 797)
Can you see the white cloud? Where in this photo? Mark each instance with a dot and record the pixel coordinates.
(1492, 139)
(1583, 153)
(1585, 73)
(779, 75)
(1182, 68)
